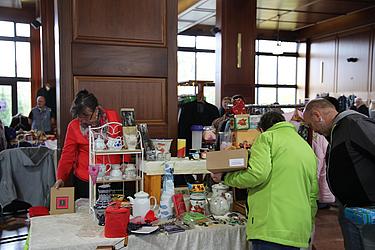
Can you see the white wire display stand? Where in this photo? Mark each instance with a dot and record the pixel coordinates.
(113, 130)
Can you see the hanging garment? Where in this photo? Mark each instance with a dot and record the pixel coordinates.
(195, 113)
(319, 145)
(26, 174)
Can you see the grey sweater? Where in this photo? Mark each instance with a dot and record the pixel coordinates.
(26, 174)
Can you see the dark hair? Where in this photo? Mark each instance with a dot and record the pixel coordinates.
(334, 102)
(83, 100)
(238, 97)
(269, 119)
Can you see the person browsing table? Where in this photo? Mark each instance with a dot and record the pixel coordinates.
(75, 154)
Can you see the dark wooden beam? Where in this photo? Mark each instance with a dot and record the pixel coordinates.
(199, 30)
(338, 25)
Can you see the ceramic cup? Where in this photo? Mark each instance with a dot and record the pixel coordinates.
(131, 141)
(116, 172)
(103, 169)
(114, 143)
(130, 172)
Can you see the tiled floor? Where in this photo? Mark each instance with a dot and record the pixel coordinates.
(327, 233)
(13, 232)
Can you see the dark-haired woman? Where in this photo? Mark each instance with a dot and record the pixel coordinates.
(75, 154)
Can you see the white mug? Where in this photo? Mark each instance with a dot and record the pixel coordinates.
(131, 141)
(130, 172)
(116, 172)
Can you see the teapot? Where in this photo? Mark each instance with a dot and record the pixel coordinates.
(221, 200)
(141, 203)
(99, 143)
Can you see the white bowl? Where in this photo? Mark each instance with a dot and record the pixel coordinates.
(162, 145)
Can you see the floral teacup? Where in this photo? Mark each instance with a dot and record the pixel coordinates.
(114, 143)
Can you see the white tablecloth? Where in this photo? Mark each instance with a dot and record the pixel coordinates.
(181, 166)
(80, 231)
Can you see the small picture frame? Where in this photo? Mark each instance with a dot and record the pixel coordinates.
(62, 200)
(128, 117)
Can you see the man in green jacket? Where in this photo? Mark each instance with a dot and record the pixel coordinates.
(282, 186)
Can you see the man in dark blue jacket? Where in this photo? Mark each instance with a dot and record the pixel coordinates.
(351, 163)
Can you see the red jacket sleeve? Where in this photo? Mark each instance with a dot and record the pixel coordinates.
(69, 154)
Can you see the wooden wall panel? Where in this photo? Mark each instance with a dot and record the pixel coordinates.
(146, 95)
(232, 18)
(109, 60)
(353, 76)
(372, 86)
(125, 21)
(125, 52)
(322, 52)
(349, 77)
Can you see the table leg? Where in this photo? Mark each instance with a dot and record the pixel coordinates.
(153, 186)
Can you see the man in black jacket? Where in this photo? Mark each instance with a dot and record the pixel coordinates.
(351, 163)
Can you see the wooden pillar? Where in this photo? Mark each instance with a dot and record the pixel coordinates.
(48, 42)
(235, 52)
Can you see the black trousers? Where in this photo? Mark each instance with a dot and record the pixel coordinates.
(81, 188)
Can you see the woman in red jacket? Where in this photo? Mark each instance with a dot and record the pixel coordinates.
(75, 154)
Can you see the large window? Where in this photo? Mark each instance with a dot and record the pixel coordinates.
(277, 68)
(196, 61)
(276, 72)
(15, 70)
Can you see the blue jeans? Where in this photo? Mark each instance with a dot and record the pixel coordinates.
(266, 245)
(356, 237)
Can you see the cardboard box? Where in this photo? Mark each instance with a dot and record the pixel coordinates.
(226, 160)
(245, 138)
(62, 200)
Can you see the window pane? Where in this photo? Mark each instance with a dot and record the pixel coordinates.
(23, 29)
(186, 66)
(209, 94)
(271, 46)
(256, 96)
(24, 97)
(267, 69)
(7, 60)
(206, 42)
(185, 90)
(267, 45)
(23, 59)
(256, 70)
(6, 28)
(206, 66)
(5, 104)
(185, 41)
(287, 95)
(267, 95)
(287, 70)
(290, 47)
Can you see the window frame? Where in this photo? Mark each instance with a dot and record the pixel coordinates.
(277, 85)
(12, 81)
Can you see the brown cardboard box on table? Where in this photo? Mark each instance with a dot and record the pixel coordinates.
(226, 160)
